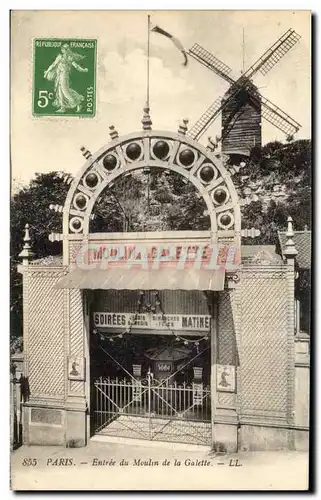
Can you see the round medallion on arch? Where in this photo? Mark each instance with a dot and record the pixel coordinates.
(220, 195)
(134, 151)
(80, 201)
(91, 180)
(76, 224)
(207, 173)
(110, 162)
(186, 157)
(160, 149)
(225, 220)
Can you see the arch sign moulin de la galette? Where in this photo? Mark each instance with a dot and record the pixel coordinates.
(177, 346)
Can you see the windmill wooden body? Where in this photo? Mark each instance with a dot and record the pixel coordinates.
(243, 107)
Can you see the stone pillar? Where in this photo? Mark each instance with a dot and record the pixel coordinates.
(223, 355)
(25, 255)
(75, 338)
(302, 391)
(213, 307)
(43, 335)
(290, 254)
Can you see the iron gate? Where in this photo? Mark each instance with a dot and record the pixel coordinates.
(153, 410)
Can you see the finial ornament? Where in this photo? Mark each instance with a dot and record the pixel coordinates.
(250, 233)
(26, 251)
(55, 237)
(27, 238)
(56, 208)
(290, 251)
(182, 128)
(85, 152)
(65, 177)
(211, 145)
(146, 121)
(113, 132)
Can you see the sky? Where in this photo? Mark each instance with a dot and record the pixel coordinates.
(44, 144)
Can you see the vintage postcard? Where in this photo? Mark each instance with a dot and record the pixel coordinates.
(160, 250)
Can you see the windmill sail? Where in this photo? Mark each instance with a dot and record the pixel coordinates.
(279, 118)
(289, 42)
(207, 118)
(210, 61)
(273, 55)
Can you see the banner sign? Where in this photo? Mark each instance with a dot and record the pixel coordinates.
(97, 255)
(137, 392)
(197, 394)
(164, 367)
(184, 322)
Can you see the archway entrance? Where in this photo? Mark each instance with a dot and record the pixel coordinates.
(164, 388)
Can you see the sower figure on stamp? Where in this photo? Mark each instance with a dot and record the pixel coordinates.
(59, 72)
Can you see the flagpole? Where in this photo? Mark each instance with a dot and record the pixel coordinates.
(148, 44)
(146, 121)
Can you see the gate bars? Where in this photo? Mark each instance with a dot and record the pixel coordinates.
(151, 410)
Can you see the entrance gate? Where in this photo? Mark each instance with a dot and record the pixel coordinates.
(157, 410)
(152, 410)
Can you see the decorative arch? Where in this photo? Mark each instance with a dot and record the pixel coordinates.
(174, 152)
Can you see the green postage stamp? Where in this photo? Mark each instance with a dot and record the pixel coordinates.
(64, 77)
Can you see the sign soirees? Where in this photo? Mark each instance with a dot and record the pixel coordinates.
(183, 322)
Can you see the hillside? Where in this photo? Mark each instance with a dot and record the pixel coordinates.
(276, 181)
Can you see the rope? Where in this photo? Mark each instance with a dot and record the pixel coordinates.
(186, 341)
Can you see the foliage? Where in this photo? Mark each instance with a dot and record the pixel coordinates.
(152, 201)
(117, 208)
(30, 204)
(287, 166)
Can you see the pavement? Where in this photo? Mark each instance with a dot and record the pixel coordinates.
(137, 466)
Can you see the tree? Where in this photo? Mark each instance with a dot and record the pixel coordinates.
(30, 204)
(287, 166)
(150, 201)
(116, 210)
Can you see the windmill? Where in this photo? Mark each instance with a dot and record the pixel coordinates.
(243, 106)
